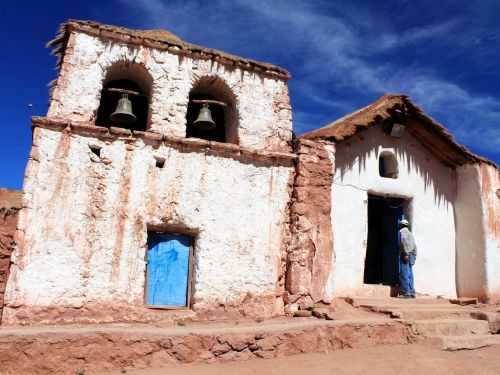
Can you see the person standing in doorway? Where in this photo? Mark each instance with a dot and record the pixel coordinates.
(407, 257)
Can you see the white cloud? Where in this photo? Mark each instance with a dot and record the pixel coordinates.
(329, 54)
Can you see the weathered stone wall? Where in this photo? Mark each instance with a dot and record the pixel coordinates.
(82, 236)
(262, 102)
(311, 252)
(10, 204)
(430, 187)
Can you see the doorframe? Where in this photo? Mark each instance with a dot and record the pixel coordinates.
(407, 205)
(189, 291)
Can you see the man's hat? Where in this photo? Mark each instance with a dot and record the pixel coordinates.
(404, 222)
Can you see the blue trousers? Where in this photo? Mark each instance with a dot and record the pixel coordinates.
(406, 283)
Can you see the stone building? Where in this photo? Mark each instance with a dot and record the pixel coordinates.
(175, 211)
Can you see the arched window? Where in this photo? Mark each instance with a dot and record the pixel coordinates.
(224, 115)
(125, 80)
(388, 165)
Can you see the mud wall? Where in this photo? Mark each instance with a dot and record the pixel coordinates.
(10, 204)
(311, 252)
(82, 237)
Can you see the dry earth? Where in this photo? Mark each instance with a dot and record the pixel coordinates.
(381, 360)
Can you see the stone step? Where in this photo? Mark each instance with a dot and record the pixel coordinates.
(387, 307)
(428, 314)
(375, 301)
(468, 342)
(451, 327)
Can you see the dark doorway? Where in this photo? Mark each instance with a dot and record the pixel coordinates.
(382, 262)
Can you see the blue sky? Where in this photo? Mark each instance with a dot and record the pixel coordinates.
(342, 55)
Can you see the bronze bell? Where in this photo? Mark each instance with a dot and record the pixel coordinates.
(204, 120)
(123, 114)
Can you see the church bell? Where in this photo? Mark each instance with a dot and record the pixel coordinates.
(204, 120)
(123, 114)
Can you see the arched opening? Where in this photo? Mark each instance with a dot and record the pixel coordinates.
(388, 165)
(224, 116)
(130, 79)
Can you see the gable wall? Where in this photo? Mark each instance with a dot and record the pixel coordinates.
(429, 184)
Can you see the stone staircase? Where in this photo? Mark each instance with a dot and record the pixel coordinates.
(439, 321)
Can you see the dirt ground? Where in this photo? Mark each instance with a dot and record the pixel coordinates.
(382, 360)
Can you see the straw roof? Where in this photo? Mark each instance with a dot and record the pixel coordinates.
(159, 39)
(428, 131)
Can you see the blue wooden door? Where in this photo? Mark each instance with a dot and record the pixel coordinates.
(168, 270)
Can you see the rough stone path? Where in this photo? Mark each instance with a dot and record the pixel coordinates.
(451, 325)
(415, 359)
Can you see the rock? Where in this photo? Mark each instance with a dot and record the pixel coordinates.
(291, 308)
(233, 356)
(322, 313)
(268, 343)
(463, 301)
(219, 349)
(492, 318)
(302, 313)
(238, 342)
(265, 354)
(306, 303)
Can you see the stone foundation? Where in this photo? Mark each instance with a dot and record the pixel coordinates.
(246, 307)
(92, 350)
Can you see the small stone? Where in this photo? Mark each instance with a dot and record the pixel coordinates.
(268, 343)
(291, 308)
(265, 354)
(319, 312)
(463, 301)
(302, 313)
(220, 349)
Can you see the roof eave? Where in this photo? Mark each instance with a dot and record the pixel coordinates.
(351, 124)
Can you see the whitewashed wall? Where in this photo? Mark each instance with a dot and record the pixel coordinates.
(429, 184)
(490, 196)
(478, 232)
(82, 238)
(262, 103)
(471, 244)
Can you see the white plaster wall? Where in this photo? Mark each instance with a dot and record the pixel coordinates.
(84, 230)
(263, 103)
(427, 182)
(471, 241)
(490, 196)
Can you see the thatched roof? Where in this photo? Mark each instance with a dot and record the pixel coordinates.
(428, 131)
(159, 39)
